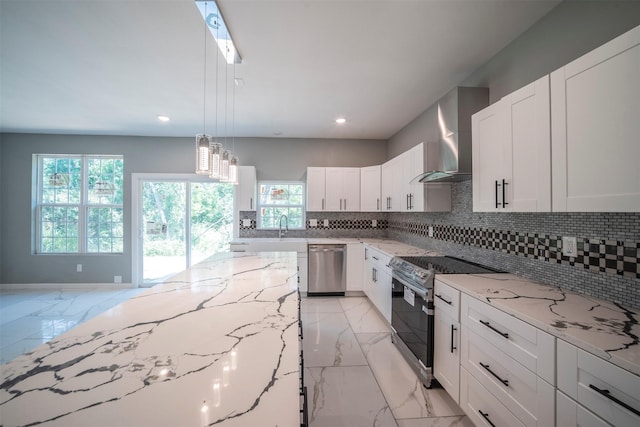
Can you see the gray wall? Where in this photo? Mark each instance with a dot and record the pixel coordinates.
(570, 30)
(2, 181)
(288, 159)
(284, 159)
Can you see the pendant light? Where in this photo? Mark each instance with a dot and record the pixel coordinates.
(233, 163)
(203, 141)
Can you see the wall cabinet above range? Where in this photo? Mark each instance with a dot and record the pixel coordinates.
(399, 195)
(333, 189)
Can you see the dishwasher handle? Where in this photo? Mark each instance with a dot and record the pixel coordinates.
(326, 248)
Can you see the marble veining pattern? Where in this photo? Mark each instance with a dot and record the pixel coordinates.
(605, 329)
(181, 353)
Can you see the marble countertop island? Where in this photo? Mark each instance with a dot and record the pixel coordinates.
(214, 345)
(605, 329)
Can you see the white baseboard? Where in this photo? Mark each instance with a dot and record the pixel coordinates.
(76, 286)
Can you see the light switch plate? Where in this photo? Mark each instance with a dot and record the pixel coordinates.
(326, 222)
(569, 246)
(246, 222)
(313, 223)
(117, 279)
(430, 231)
(374, 223)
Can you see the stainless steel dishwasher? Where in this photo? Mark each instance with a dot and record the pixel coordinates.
(327, 269)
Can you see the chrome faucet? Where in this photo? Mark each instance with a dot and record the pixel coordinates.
(281, 232)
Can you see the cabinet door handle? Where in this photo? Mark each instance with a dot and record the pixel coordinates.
(411, 201)
(504, 194)
(486, 417)
(607, 394)
(441, 298)
(407, 202)
(378, 204)
(376, 258)
(488, 369)
(497, 202)
(504, 334)
(345, 204)
(251, 203)
(453, 347)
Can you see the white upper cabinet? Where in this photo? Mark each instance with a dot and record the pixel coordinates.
(245, 191)
(392, 185)
(370, 189)
(315, 189)
(333, 189)
(512, 152)
(398, 195)
(595, 114)
(342, 189)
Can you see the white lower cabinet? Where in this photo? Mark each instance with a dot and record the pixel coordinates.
(377, 280)
(591, 382)
(521, 391)
(355, 266)
(570, 413)
(446, 347)
(481, 406)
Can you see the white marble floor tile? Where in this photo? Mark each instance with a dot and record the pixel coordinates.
(346, 397)
(329, 340)
(406, 395)
(321, 305)
(458, 421)
(363, 317)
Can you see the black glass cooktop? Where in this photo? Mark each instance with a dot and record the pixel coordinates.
(448, 265)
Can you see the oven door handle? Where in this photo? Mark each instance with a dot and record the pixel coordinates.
(419, 291)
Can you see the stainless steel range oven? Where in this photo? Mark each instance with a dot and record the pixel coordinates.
(412, 309)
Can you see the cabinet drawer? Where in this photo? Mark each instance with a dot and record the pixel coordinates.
(569, 413)
(609, 391)
(376, 257)
(447, 299)
(520, 390)
(481, 406)
(530, 346)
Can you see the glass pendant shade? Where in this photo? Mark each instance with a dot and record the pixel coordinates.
(224, 166)
(233, 170)
(215, 160)
(203, 161)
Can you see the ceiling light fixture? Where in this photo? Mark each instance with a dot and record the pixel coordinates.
(218, 28)
(341, 120)
(163, 119)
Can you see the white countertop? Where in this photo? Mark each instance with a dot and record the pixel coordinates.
(599, 327)
(391, 247)
(217, 344)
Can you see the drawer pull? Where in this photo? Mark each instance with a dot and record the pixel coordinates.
(607, 394)
(453, 329)
(440, 297)
(486, 417)
(504, 334)
(488, 369)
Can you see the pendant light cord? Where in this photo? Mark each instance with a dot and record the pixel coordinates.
(204, 83)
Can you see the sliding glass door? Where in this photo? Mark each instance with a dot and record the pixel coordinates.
(181, 221)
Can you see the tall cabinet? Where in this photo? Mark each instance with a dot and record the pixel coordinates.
(370, 190)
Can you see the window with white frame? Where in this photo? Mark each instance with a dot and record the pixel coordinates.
(79, 202)
(281, 198)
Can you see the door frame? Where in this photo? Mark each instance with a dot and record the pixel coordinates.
(137, 225)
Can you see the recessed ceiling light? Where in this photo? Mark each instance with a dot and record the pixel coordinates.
(341, 120)
(163, 118)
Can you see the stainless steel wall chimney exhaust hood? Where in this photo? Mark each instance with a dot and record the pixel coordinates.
(449, 158)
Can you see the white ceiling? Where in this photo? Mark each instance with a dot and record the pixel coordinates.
(111, 66)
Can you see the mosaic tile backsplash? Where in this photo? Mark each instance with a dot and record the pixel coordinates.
(606, 264)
